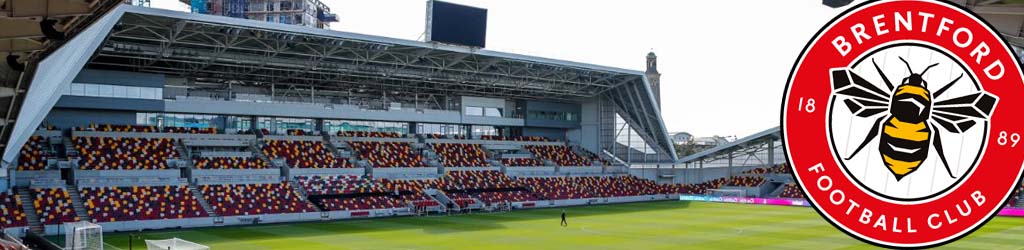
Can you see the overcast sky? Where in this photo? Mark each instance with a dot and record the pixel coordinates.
(724, 64)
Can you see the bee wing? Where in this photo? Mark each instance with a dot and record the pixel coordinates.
(865, 99)
(959, 114)
(865, 108)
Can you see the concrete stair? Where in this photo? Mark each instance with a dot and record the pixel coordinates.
(778, 190)
(183, 151)
(69, 147)
(302, 194)
(202, 201)
(256, 149)
(1020, 200)
(77, 203)
(29, 207)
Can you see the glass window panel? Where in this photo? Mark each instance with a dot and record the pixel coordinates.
(77, 89)
(148, 93)
(492, 112)
(133, 92)
(92, 90)
(106, 91)
(474, 111)
(120, 91)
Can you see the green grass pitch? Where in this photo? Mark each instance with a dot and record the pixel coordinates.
(652, 225)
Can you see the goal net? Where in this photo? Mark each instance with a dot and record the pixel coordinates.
(174, 244)
(83, 235)
(727, 192)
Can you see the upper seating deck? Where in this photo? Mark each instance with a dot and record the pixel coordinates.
(304, 154)
(125, 153)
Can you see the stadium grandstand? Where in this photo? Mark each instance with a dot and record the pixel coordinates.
(154, 119)
(149, 119)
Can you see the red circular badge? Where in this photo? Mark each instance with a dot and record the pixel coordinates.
(899, 122)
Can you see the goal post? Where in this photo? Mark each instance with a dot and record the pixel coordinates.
(83, 235)
(174, 244)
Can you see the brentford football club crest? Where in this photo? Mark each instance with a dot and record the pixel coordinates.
(902, 122)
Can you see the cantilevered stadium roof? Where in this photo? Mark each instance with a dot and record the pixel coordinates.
(241, 51)
(752, 142)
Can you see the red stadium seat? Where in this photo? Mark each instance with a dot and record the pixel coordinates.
(461, 155)
(53, 205)
(119, 128)
(304, 154)
(558, 188)
(388, 154)
(253, 199)
(522, 162)
(791, 191)
(111, 204)
(368, 134)
(560, 155)
(34, 154)
(350, 192)
(106, 153)
(229, 163)
(10, 205)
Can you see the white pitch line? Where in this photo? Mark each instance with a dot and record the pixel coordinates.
(109, 246)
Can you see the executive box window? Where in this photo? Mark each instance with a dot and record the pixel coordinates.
(482, 111)
(552, 115)
(280, 126)
(117, 91)
(177, 120)
(334, 126)
(474, 111)
(484, 130)
(492, 112)
(443, 129)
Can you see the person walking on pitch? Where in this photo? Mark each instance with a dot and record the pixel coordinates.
(564, 223)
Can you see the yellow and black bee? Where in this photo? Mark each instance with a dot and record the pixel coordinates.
(908, 128)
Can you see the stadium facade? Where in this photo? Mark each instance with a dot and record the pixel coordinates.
(236, 74)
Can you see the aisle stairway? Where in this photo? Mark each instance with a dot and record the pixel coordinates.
(202, 201)
(29, 207)
(302, 194)
(77, 203)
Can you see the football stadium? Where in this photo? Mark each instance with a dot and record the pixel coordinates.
(129, 127)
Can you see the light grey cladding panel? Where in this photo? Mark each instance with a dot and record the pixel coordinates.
(589, 127)
(307, 111)
(483, 102)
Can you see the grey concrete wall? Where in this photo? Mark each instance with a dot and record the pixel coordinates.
(482, 102)
(586, 134)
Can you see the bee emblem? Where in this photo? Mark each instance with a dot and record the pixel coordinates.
(908, 115)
